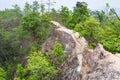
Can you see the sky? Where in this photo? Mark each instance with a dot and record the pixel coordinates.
(92, 4)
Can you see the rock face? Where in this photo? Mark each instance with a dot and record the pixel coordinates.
(100, 64)
(82, 63)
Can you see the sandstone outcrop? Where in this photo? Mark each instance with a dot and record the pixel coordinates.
(82, 63)
(100, 64)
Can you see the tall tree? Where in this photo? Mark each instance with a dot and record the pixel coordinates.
(17, 11)
(35, 6)
(42, 8)
(27, 8)
(100, 15)
(64, 14)
(31, 22)
(80, 5)
(80, 14)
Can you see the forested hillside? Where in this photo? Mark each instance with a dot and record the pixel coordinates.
(22, 32)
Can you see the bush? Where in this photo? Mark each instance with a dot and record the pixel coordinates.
(38, 67)
(57, 55)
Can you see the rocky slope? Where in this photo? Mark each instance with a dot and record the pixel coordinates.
(82, 63)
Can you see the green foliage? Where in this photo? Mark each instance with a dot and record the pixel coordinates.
(42, 8)
(44, 28)
(31, 22)
(38, 26)
(17, 11)
(20, 71)
(35, 6)
(94, 33)
(112, 45)
(2, 74)
(27, 8)
(80, 14)
(40, 67)
(20, 30)
(88, 29)
(117, 27)
(11, 14)
(54, 15)
(99, 15)
(110, 39)
(80, 5)
(65, 15)
(57, 55)
(9, 20)
(10, 49)
(110, 31)
(9, 46)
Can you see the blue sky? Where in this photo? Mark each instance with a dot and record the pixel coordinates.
(92, 4)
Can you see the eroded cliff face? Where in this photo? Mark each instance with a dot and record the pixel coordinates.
(82, 63)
